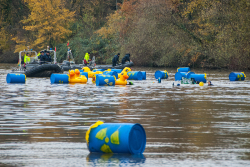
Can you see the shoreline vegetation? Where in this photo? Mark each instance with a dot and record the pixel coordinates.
(209, 34)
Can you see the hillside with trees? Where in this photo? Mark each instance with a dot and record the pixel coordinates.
(167, 33)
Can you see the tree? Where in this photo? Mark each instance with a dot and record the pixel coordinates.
(48, 24)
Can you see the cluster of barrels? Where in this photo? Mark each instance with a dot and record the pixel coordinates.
(113, 77)
(100, 77)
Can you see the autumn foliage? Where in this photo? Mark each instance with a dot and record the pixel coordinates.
(195, 33)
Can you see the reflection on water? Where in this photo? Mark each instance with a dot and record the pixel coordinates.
(45, 125)
(98, 159)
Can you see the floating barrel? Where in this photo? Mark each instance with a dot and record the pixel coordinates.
(15, 78)
(237, 76)
(59, 78)
(178, 76)
(143, 75)
(161, 74)
(116, 138)
(135, 75)
(198, 77)
(183, 69)
(98, 70)
(112, 73)
(94, 78)
(117, 70)
(85, 74)
(105, 80)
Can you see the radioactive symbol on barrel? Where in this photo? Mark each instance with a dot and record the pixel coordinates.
(114, 139)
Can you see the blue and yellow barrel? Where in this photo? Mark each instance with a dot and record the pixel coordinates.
(183, 69)
(85, 74)
(135, 75)
(116, 138)
(237, 76)
(105, 80)
(94, 78)
(198, 77)
(98, 70)
(59, 79)
(161, 74)
(117, 70)
(112, 73)
(15, 78)
(178, 76)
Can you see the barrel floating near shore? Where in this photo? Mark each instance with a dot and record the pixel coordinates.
(117, 70)
(178, 76)
(105, 80)
(112, 73)
(116, 138)
(161, 74)
(135, 75)
(183, 69)
(237, 76)
(59, 79)
(198, 77)
(15, 78)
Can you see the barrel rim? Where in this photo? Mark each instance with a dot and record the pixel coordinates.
(143, 146)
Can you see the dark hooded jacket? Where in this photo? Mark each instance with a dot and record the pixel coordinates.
(126, 58)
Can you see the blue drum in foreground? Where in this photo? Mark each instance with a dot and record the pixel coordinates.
(161, 74)
(116, 138)
(85, 74)
(117, 70)
(59, 79)
(198, 77)
(15, 78)
(135, 75)
(112, 73)
(183, 69)
(105, 80)
(178, 76)
(237, 76)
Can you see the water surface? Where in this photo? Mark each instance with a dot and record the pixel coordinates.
(45, 125)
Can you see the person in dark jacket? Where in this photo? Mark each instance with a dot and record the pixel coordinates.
(48, 57)
(115, 60)
(42, 57)
(126, 58)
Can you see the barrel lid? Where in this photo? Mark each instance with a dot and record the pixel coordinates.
(137, 139)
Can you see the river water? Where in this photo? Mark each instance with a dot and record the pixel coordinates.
(45, 125)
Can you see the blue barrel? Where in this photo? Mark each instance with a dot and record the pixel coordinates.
(112, 73)
(117, 70)
(59, 78)
(183, 69)
(198, 77)
(161, 74)
(105, 80)
(85, 74)
(98, 70)
(143, 75)
(178, 76)
(117, 138)
(81, 70)
(15, 78)
(237, 76)
(135, 75)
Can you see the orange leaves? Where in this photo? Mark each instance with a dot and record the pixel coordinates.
(48, 21)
